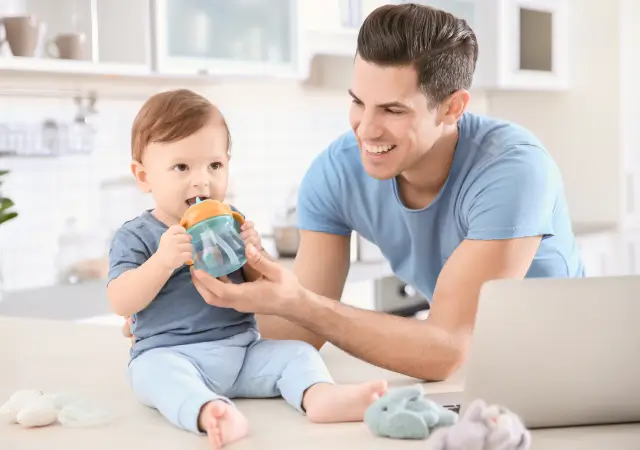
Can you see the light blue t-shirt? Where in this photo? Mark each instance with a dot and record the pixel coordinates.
(178, 315)
(502, 185)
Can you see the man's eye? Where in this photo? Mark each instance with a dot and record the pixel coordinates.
(180, 167)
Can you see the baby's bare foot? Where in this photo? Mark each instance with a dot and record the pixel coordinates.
(223, 423)
(326, 402)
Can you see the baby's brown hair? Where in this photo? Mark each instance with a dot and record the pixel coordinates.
(171, 116)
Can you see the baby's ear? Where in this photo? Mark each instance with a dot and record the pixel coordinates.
(140, 174)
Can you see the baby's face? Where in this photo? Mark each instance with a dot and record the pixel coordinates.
(177, 172)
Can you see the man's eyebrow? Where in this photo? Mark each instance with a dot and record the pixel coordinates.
(382, 105)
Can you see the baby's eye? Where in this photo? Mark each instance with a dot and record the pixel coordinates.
(216, 166)
(180, 167)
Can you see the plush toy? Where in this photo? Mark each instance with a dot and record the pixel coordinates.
(405, 413)
(32, 408)
(482, 427)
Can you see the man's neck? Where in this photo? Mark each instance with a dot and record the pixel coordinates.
(420, 185)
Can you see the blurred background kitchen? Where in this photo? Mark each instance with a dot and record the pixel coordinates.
(73, 74)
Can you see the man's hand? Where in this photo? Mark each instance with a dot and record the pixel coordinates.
(272, 293)
(126, 329)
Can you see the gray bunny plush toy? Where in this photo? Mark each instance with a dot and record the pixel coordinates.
(482, 427)
(405, 413)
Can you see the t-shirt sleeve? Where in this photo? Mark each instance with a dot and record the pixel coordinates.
(127, 252)
(514, 196)
(319, 206)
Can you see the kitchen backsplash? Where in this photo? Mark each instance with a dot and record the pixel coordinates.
(277, 129)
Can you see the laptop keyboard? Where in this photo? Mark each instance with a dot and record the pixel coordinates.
(454, 408)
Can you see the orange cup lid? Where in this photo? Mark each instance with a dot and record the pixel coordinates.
(203, 210)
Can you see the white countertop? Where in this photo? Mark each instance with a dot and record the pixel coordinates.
(89, 298)
(91, 361)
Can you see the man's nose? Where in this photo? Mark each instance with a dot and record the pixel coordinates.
(369, 127)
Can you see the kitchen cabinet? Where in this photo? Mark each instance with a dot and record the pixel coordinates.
(599, 253)
(629, 111)
(114, 36)
(629, 252)
(524, 44)
(219, 37)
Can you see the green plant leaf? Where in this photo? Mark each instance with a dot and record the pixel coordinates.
(5, 203)
(6, 217)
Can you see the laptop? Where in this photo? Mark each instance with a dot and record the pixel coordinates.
(558, 352)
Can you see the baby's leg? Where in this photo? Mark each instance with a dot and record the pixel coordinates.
(295, 370)
(167, 381)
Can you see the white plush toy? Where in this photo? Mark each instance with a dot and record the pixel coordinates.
(31, 408)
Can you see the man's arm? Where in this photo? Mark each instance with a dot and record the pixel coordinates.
(321, 266)
(434, 348)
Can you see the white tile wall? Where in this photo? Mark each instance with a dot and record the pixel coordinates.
(277, 129)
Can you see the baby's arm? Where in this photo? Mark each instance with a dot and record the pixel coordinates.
(136, 276)
(134, 289)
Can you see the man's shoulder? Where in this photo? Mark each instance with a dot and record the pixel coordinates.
(493, 143)
(343, 152)
(495, 133)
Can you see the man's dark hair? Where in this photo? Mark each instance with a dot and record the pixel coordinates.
(441, 47)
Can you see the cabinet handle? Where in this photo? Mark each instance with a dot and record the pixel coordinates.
(630, 194)
(632, 258)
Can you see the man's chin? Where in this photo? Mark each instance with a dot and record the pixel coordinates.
(380, 173)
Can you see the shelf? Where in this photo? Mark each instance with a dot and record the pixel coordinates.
(70, 67)
(17, 69)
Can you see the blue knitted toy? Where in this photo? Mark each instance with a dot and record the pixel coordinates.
(405, 413)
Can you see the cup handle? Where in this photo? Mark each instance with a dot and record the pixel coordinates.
(47, 49)
(238, 217)
(183, 224)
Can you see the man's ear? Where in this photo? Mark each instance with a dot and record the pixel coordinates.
(454, 106)
(138, 171)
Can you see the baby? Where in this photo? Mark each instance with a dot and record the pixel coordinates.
(189, 358)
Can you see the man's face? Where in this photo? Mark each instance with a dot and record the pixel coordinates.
(391, 118)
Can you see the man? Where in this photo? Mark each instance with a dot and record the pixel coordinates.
(452, 199)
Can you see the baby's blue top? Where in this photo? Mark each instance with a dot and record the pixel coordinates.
(502, 185)
(179, 314)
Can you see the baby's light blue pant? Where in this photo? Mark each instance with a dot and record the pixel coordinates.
(179, 380)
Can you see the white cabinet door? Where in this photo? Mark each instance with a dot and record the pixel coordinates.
(240, 37)
(524, 44)
(631, 198)
(629, 254)
(114, 34)
(598, 254)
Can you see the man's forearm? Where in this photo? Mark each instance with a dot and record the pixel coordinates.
(412, 347)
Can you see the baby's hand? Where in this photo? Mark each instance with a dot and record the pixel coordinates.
(249, 235)
(175, 247)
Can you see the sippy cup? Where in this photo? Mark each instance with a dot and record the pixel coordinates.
(215, 231)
